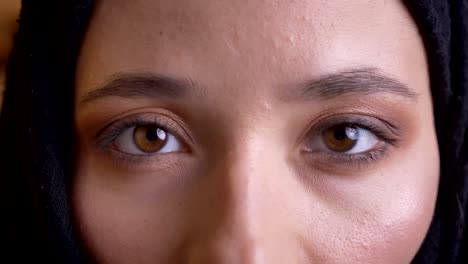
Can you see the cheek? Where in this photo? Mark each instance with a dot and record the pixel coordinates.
(368, 238)
(384, 218)
(378, 217)
(386, 230)
(125, 219)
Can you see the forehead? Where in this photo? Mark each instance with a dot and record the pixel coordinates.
(248, 40)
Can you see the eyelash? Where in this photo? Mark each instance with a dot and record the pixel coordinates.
(390, 137)
(106, 136)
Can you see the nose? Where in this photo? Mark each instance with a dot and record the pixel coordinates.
(239, 208)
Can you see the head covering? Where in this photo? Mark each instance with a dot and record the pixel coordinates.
(37, 130)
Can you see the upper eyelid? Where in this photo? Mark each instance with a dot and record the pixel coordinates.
(318, 125)
(364, 121)
(117, 126)
(109, 133)
(389, 132)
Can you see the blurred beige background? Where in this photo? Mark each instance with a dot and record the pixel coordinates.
(9, 11)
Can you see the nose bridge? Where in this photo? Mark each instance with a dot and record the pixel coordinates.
(244, 169)
(244, 175)
(249, 169)
(240, 230)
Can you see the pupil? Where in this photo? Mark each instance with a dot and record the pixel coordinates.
(152, 134)
(345, 133)
(340, 134)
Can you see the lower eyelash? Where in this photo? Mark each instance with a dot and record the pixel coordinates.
(104, 141)
(359, 160)
(370, 156)
(152, 163)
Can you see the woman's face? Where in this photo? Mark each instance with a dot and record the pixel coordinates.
(254, 132)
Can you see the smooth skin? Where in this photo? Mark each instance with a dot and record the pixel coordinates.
(247, 177)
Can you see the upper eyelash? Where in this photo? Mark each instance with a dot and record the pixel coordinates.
(374, 129)
(391, 136)
(109, 133)
(105, 137)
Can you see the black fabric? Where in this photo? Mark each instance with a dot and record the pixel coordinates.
(36, 130)
(444, 26)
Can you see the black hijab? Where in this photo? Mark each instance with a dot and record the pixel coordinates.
(37, 130)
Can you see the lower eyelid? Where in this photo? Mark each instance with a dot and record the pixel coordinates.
(143, 162)
(106, 138)
(343, 164)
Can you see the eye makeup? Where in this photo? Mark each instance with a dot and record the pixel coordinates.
(105, 138)
(388, 135)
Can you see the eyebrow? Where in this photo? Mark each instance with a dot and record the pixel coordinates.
(142, 85)
(361, 81)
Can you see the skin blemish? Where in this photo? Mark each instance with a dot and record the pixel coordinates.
(297, 132)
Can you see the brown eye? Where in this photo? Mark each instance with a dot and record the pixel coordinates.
(342, 138)
(149, 138)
